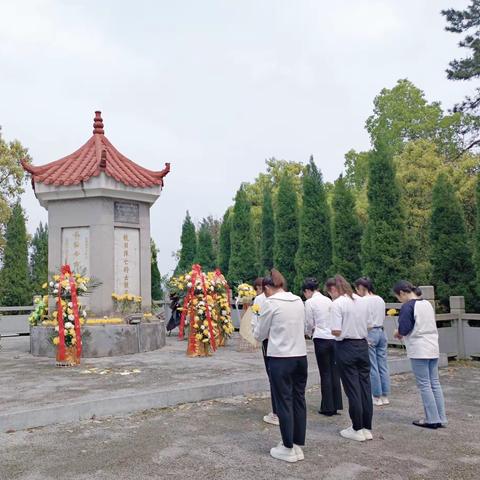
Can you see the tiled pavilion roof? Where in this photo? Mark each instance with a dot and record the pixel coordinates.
(96, 156)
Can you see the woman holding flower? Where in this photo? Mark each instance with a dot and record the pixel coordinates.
(282, 322)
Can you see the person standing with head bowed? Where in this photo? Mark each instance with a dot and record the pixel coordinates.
(418, 328)
(350, 322)
(317, 324)
(377, 342)
(258, 306)
(283, 322)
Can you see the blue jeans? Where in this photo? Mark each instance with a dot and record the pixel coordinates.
(379, 375)
(428, 382)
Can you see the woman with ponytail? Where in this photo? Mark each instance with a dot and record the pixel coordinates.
(350, 322)
(418, 328)
(282, 323)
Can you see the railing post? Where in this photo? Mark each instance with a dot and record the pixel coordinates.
(428, 293)
(457, 307)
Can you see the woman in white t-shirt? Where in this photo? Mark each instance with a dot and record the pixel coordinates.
(377, 342)
(417, 326)
(350, 322)
(317, 325)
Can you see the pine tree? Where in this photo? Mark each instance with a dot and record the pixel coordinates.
(268, 232)
(346, 232)
(453, 272)
(224, 243)
(314, 255)
(14, 276)
(242, 258)
(156, 279)
(39, 259)
(286, 230)
(384, 255)
(189, 246)
(205, 254)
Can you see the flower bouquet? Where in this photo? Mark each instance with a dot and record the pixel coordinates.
(246, 294)
(221, 313)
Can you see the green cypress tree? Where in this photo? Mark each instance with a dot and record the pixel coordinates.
(224, 243)
(268, 232)
(384, 255)
(453, 272)
(39, 259)
(286, 230)
(189, 246)
(205, 254)
(156, 279)
(346, 232)
(477, 238)
(14, 276)
(242, 257)
(314, 255)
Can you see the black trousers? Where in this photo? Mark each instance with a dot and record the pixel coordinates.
(289, 379)
(325, 351)
(354, 365)
(265, 359)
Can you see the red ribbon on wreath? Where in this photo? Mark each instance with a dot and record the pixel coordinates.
(67, 272)
(196, 273)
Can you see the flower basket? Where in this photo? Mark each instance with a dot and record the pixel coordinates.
(71, 357)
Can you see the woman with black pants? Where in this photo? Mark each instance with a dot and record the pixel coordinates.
(283, 323)
(317, 323)
(350, 321)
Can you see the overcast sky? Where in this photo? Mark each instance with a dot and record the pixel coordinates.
(214, 87)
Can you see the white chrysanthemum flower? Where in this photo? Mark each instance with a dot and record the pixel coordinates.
(71, 317)
(70, 304)
(69, 325)
(51, 284)
(56, 328)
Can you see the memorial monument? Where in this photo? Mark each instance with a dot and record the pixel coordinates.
(98, 204)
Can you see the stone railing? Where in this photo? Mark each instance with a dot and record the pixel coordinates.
(14, 320)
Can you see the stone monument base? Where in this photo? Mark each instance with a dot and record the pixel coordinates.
(104, 340)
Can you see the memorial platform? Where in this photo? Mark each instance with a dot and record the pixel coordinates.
(36, 393)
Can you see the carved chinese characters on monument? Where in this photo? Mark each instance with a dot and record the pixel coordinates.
(126, 212)
(76, 249)
(127, 261)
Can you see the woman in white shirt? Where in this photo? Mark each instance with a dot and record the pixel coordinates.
(317, 325)
(417, 326)
(350, 322)
(377, 342)
(260, 299)
(283, 322)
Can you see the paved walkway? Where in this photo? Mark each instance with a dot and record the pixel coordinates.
(227, 440)
(35, 393)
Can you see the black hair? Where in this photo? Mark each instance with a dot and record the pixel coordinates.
(341, 284)
(310, 284)
(365, 282)
(275, 280)
(407, 287)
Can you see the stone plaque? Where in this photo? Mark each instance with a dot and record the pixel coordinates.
(127, 261)
(76, 249)
(126, 212)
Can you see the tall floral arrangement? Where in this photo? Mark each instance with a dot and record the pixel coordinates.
(221, 310)
(197, 313)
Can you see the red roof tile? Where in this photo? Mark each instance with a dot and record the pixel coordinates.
(96, 156)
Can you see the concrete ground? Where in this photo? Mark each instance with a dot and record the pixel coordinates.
(226, 439)
(36, 393)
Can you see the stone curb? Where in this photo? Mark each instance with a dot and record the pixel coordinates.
(161, 398)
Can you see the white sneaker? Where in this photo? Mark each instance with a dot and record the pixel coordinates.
(352, 434)
(298, 452)
(367, 434)
(385, 400)
(272, 419)
(281, 452)
(377, 401)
